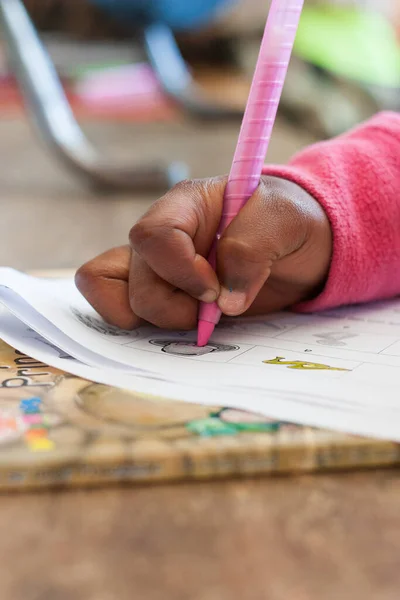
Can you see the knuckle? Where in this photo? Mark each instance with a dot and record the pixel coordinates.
(195, 187)
(189, 189)
(149, 233)
(86, 275)
(146, 233)
(201, 194)
(184, 186)
(140, 233)
(189, 194)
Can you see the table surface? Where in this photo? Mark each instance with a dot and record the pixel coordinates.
(304, 538)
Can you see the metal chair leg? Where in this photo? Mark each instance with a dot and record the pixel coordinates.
(174, 76)
(52, 114)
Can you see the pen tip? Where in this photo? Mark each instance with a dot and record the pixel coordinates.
(204, 333)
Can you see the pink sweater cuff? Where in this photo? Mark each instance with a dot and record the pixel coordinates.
(356, 179)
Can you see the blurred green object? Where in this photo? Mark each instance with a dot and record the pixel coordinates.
(350, 42)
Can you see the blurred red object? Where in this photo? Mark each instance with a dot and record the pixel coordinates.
(127, 92)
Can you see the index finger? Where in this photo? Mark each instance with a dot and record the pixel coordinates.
(175, 235)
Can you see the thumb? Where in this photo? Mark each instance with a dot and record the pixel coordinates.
(273, 224)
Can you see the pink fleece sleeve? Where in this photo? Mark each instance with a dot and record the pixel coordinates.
(356, 178)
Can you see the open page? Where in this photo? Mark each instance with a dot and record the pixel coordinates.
(338, 370)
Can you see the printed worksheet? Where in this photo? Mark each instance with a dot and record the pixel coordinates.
(339, 369)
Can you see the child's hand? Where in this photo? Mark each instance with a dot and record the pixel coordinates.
(274, 254)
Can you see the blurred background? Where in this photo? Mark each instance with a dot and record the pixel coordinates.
(106, 103)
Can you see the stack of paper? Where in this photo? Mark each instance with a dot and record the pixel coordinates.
(338, 370)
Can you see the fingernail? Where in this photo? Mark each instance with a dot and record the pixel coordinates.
(232, 302)
(209, 296)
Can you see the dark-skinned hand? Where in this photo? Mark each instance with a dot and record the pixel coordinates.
(274, 254)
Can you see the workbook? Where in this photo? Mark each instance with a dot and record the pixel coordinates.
(59, 430)
(309, 388)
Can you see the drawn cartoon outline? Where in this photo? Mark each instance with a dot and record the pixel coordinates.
(97, 324)
(168, 345)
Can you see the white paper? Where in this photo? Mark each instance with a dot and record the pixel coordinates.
(279, 366)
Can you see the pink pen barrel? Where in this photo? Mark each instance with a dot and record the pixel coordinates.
(256, 129)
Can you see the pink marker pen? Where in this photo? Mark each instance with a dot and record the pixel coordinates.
(255, 133)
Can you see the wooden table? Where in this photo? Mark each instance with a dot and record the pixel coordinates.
(327, 537)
